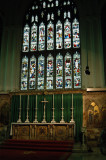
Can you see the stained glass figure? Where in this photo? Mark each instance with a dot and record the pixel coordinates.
(59, 71)
(50, 36)
(33, 37)
(77, 70)
(32, 74)
(59, 35)
(24, 73)
(76, 38)
(26, 38)
(41, 72)
(49, 81)
(68, 71)
(67, 34)
(41, 37)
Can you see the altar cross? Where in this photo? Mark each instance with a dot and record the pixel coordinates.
(44, 120)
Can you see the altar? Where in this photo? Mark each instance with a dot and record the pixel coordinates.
(43, 131)
(46, 117)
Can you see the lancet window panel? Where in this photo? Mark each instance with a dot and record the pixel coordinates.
(50, 36)
(32, 73)
(59, 71)
(41, 63)
(26, 38)
(68, 71)
(42, 37)
(24, 73)
(67, 34)
(77, 70)
(59, 39)
(34, 38)
(50, 68)
(76, 38)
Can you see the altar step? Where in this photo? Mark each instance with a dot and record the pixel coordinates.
(38, 145)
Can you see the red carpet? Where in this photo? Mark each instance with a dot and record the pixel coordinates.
(35, 150)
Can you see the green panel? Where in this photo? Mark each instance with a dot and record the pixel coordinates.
(32, 106)
(57, 106)
(24, 107)
(67, 105)
(15, 108)
(49, 107)
(78, 113)
(40, 107)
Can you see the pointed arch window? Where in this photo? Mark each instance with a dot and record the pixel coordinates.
(59, 71)
(33, 37)
(24, 73)
(50, 36)
(68, 71)
(59, 35)
(49, 82)
(51, 53)
(26, 38)
(32, 75)
(77, 70)
(41, 62)
(76, 39)
(67, 34)
(41, 36)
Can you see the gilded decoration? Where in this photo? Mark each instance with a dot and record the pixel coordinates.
(94, 110)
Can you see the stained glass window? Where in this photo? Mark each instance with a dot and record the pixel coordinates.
(76, 39)
(41, 63)
(59, 71)
(51, 43)
(67, 34)
(50, 36)
(34, 38)
(32, 75)
(24, 73)
(26, 38)
(41, 36)
(49, 82)
(59, 35)
(68, 71)
(77, 70)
